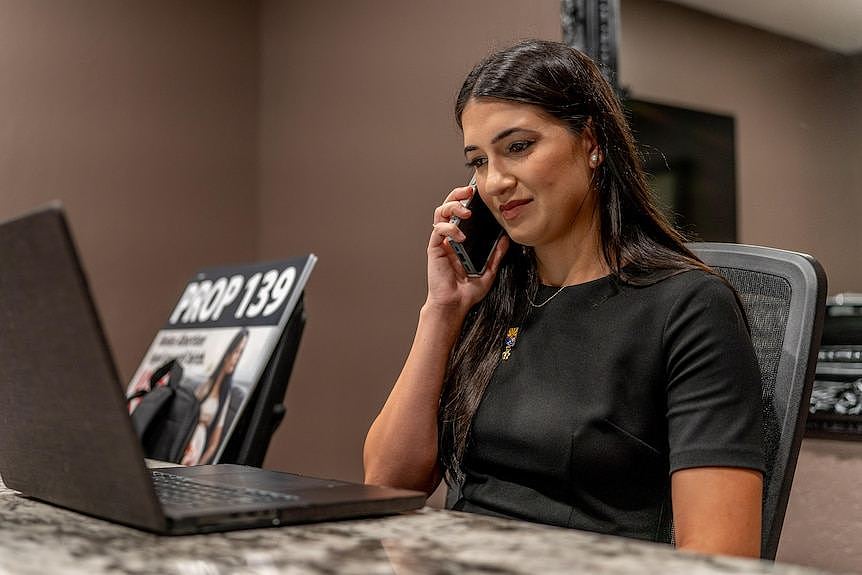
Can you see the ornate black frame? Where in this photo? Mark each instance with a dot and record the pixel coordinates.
(592, 26)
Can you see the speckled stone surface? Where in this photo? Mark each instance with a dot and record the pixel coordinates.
(38, 538)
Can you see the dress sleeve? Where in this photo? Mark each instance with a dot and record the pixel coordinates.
(713, 387)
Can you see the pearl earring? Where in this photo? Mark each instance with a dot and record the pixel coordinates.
(594, 158)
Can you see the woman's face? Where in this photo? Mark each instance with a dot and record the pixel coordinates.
(532, 171)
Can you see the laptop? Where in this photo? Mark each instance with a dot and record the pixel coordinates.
(65, 434)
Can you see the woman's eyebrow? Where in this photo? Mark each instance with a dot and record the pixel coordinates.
(497, 138)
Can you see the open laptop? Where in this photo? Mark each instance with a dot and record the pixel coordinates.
(65, 434)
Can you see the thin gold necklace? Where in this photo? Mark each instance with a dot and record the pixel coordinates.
(555, 294)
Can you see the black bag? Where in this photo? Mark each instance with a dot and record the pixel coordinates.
(166, 417)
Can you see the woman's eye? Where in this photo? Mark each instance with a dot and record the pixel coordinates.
(476, 162)
(519, 146)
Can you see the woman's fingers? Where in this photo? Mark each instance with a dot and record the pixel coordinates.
(458, 194)
(452, 205)
(447, 230)
(444, 212)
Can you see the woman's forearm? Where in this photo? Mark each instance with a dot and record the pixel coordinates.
(401, 446)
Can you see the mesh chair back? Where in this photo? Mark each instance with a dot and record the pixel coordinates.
(783, 294)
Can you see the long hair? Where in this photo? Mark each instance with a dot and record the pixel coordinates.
(227, 379)
(637, 242)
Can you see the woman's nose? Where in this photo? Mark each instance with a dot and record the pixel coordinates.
(497, 181)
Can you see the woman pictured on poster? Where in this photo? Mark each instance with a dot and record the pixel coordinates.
(597, 375)
(214, 397)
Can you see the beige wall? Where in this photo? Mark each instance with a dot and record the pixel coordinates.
(791, 102)
(141, 117)
(202, 132)
(358, 146)
(824, 514)
(854, 126)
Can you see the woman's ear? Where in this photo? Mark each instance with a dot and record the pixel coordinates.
(590, 146)
(595, 158)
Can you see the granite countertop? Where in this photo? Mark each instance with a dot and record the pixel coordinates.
(39, 538)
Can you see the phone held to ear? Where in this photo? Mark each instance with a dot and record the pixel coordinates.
(481, 231)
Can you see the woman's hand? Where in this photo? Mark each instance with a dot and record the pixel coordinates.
(401, 446)
(449, 286)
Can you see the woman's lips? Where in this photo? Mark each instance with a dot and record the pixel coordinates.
(513, 208)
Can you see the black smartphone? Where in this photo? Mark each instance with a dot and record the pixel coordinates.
(481, 231)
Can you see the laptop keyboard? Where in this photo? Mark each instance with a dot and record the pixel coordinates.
(175, 490)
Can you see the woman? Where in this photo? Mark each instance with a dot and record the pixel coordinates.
(597, 375)
(214, 396)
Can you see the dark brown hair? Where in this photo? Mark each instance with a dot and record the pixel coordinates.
(637, 242)
(227, 379)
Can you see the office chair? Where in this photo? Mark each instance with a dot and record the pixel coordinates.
(784, 296)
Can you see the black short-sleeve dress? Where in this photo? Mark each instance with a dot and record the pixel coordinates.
(604, 392)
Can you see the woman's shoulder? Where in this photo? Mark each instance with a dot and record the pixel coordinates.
(678, 282)
(676, 291)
